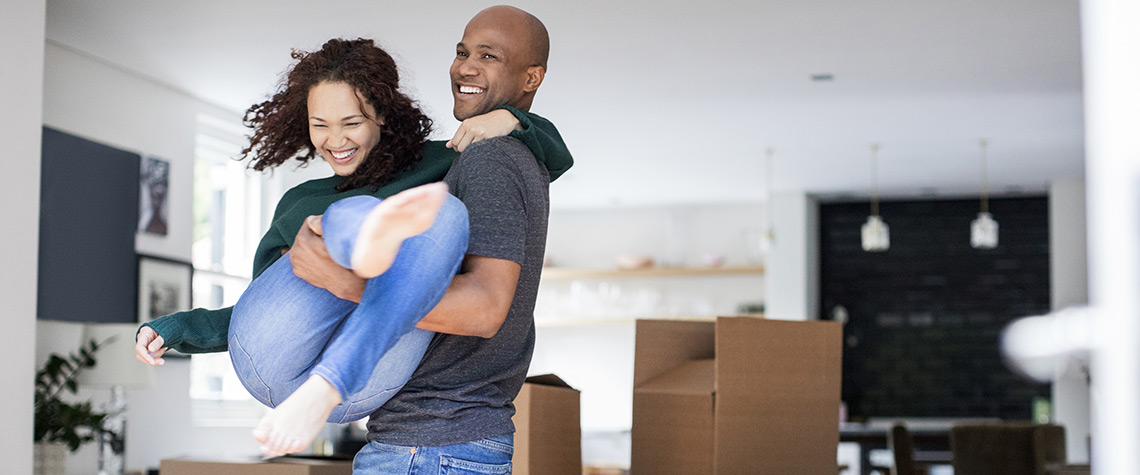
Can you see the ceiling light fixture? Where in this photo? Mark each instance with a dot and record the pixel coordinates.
(768, 238)
(984, 230)
(876, 234)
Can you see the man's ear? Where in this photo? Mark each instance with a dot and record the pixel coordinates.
(534, 77)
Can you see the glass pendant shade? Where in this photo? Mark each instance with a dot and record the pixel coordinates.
(984, 232)
(767, 241)
(768, 236)
(876, 234)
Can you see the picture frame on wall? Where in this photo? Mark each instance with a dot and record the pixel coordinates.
(164, 286)
(154, 182)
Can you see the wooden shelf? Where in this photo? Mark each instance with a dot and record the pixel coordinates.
(548, 322)
(560, 274)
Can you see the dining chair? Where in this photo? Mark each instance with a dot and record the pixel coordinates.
(1007, 448)
(902, 449)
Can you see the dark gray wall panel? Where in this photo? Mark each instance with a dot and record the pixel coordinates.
(89, 195)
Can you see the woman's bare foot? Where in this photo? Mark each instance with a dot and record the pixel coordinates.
(296, 422)
(395, 219)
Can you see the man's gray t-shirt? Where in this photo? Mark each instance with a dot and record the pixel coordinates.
(463, 388)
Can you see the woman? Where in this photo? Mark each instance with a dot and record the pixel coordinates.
(289, 338)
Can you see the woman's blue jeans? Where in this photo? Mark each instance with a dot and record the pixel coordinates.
(284, 329)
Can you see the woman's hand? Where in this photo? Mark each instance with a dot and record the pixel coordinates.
(148, 347)
(312, 263)
(493, 124)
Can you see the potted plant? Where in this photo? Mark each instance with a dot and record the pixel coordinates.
(60, 424)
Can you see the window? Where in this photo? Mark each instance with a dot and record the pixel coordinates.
(229, 220)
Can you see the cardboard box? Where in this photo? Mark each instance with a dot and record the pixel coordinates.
(548, 428)
(736, 396)
(277, 466)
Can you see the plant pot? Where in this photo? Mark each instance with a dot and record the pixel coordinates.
(50, 458)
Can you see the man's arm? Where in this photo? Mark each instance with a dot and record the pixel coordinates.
(478, 299)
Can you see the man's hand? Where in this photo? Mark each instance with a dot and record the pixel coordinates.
(148, 347)
(496, 123)
(312, 263)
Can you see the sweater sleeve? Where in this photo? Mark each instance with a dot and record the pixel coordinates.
(542, 138)
(194, 331)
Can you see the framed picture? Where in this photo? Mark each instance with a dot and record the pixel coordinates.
(154, 181)
(164, 287)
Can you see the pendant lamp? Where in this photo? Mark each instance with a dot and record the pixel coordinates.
(876, 234)
(768, 238)
(984, 230)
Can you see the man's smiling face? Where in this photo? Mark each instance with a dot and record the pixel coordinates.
(490, 70)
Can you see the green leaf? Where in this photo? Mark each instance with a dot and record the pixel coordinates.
(57, 421)
(53, 366)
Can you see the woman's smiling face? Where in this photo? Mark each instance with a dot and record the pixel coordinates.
(342, 125)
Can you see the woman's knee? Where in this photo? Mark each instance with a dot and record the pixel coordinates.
(451, 225)
(340, 225)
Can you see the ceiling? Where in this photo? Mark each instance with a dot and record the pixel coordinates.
(676, 101)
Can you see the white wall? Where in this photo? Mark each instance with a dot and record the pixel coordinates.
(793, 263)
(86, 97)
(1068, 276)
(21, 33)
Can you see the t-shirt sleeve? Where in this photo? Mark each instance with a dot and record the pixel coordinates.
(491, 185)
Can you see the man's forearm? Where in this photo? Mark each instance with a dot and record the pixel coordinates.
(478, 299)
(465, 310)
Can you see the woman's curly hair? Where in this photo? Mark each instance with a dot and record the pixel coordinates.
(281, 124)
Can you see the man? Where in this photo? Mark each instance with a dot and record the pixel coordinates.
(456, 409)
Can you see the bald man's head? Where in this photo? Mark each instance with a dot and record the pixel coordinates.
(501, 60)
(526, 30)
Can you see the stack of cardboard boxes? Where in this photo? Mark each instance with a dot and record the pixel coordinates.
(736, 396)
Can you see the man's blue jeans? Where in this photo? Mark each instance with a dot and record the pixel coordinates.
(487, 456)
(283, 329)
